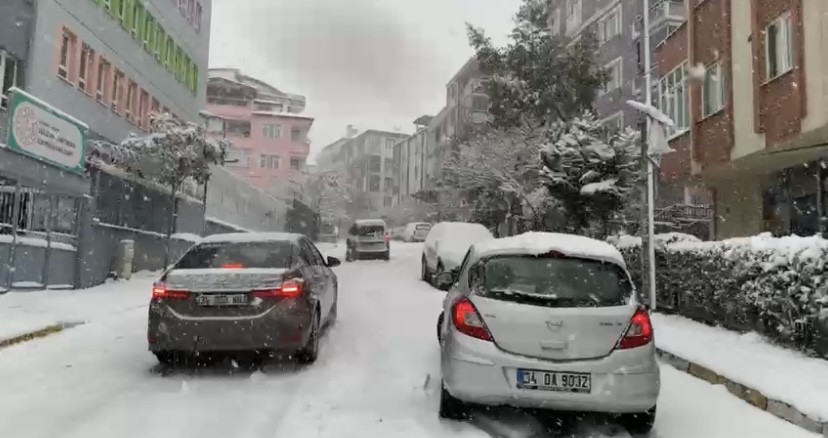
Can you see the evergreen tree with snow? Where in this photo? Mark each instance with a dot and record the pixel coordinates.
(537, 77)
(592, 171)
(173, 153)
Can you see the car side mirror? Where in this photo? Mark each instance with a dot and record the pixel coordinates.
(448, 277)
(333, 261)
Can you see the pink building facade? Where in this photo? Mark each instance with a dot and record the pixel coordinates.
(265, 125)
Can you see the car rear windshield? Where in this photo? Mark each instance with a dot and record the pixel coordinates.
(552, 281)
(371, 230)
(423, 227)
(238, 255)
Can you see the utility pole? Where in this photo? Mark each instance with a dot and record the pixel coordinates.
(647, 167)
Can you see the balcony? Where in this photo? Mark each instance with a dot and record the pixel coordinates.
(667, 12)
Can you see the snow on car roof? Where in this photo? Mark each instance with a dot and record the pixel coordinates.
(250, 237)
(368, 222)
(537, 243)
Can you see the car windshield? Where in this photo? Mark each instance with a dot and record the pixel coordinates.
(422, 227)
(238, 255)
(551, 281)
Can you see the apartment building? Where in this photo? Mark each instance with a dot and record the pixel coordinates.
(368, 164)
(109, 63)
(269, 135)
(755, 123)
(415, 164)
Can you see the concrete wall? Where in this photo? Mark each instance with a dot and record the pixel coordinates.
(94, 26)
(232, 200)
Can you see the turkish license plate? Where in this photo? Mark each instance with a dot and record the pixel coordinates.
(221, 299)
(554, 381)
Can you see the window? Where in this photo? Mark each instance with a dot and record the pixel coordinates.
(269, 161)
(130, 100)
(609, 26)
(143, 110)
(274, 254)
(155, 107)
(271, 130)
(160, 38)
(713, 90)
(84, 68)
(117, 83)
(375, 164)
(102, 79)
(237, 128)
(389, 164)
(198, 15)
(8, 76)
(67, 46)
(215, 125)
(149, 30)
(296, 163)
(137, 12)
(107, 4)
(121, 8)
(389, 143)
(615, 78)
(374, 183)
(778, 47)
(573, 15)
(259, 106)
(182, 6)
(297, 134)
(673, 99)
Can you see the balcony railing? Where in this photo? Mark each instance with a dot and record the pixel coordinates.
(666, 10)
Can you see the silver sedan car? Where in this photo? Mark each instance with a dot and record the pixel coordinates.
(544, 320)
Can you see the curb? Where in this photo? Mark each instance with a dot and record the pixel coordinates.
(750, 395)
(36, 334)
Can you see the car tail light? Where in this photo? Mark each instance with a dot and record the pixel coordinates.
(467, 320)
(288, 289)
(640, 331)
(232, 266)
(160, 292)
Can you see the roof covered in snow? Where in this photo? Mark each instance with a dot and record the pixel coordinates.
(250, 237)
(369, 222)
(537, 243)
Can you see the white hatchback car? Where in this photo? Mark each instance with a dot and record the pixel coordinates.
(545, 320)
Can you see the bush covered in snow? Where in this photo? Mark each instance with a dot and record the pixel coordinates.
(775, 286)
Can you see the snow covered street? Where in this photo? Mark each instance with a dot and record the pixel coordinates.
(377, 375)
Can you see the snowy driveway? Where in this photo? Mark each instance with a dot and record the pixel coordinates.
(98, 380)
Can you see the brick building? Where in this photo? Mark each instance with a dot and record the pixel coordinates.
(752, 126)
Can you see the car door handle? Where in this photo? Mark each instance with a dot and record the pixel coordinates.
(553, 345)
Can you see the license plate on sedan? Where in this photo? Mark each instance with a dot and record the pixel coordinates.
(557, 381)
(221, 299)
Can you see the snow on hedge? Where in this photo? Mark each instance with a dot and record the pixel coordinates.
(776, 286)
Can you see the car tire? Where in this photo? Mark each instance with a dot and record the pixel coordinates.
(387, 256)
(424, 275)
(310, 352)
(349, 257)
(451, 408)
(332, 314)
(440, 327)
(639, 423)
(165, 357)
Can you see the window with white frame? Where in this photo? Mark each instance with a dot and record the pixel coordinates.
(713, 90)
(215, 125)
(271, 130)
(8, 76)
(102, 78)
(269, 161)
(609, 26)
(778, 46)
(573, 15)
(85, 66)
(66, 49)
(615, 76)
(673, 99)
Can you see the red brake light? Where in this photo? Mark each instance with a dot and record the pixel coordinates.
(288, 289)
(467, 321)
(160, 291)
(232, 266)
(639, 333)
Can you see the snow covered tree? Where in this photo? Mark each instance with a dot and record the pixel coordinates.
(500, 172)
(330, 194)
(591, 171)
(173, 153)
(537, 77)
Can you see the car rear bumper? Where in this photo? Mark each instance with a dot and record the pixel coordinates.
(478, 372)
(273, 330)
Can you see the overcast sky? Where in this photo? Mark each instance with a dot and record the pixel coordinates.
(371, 63)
